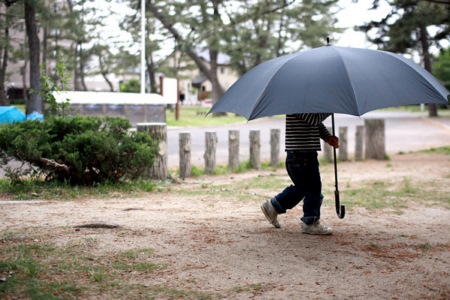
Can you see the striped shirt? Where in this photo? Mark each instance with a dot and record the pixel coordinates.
(304, 131)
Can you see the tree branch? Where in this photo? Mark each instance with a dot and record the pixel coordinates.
(251, 16)
(200, 63)
(52, 163)
(440, 1)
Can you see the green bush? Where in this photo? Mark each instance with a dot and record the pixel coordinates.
(78, 150)
(130, 86)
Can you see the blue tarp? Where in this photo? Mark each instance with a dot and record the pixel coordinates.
(35, 116)
(10, 114)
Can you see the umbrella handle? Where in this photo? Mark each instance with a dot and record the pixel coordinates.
(340, 209)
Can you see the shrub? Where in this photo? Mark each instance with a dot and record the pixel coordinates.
(131, 86)
(78, 150)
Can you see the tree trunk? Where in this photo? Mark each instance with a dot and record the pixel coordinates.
(24, 81)
(158, 132)
(233, 149)
(210, 73)
(104, 72)
(151, 74)
(217, 90)
(4, 51)
(111, 86)
(255, 149)
(44, 50)
(432, 108)
(35, 103)
(375, 139)
(185, 154)
(210, 152)
(81, 74)
(76, 70)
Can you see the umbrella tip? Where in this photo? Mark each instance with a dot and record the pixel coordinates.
(328, 41)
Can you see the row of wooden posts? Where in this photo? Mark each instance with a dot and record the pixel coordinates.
(371, 135)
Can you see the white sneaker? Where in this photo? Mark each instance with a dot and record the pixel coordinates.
(270, 213)
(316, 228)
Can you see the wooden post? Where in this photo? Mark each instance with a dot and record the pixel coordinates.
(343, 144)
(255, 149)
(185, 154)
(274, 147)
(158, 132)
(327, 150)
(233, 149)
(210, 152)
(359, 142)
(375, 139)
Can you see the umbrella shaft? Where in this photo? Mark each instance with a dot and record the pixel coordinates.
(334, 157)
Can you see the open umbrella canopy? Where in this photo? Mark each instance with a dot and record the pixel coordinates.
(331, 79)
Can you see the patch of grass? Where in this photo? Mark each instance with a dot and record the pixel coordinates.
(25, 267)
(441, 150)
(396, 195)
(424, 247)
(243, 167)
(255, 288)
(374, 246)
(196, 171)
(240, 190)
(37, 189)
(196, 116)
(378, 194)
(14, 235)
(225, 169)
(407, 187)
(44, 271)
(270, 182)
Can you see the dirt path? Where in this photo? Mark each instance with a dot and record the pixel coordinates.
(222, 245)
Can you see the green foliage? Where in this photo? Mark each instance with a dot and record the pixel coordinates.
(51, 85)
(131, 86)
(402, 28)
(441, 68)
(78, 150)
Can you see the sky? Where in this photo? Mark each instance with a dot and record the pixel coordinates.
(356, 13)
(352, 13)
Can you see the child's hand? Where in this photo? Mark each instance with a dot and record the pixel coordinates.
(332, 141)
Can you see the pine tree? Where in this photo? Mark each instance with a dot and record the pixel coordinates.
(412, 25)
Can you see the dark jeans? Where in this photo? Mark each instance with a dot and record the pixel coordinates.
(303, 169)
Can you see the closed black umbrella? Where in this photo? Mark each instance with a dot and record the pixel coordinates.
(331, 79)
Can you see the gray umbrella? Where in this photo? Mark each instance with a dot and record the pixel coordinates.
(331, 79)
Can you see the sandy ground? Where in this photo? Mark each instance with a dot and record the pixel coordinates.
(224, 245)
